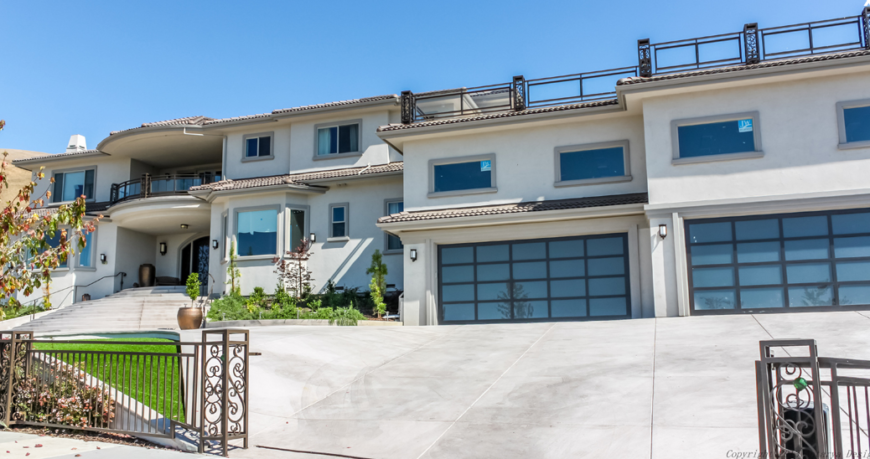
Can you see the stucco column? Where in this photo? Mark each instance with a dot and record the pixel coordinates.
(663, 268)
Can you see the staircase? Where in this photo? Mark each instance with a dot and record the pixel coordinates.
(147, 308)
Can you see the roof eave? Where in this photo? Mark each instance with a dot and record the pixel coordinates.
(211, 195)
(394, 100)
(356, 177)
(22, 163)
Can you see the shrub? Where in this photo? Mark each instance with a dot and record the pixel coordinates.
(229, 307)
(193, 287)
(378, 286)
(66, 400)
(345, 317)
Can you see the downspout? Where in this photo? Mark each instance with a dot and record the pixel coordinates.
(365, 169)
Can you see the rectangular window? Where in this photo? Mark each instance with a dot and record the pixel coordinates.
(704, 138)
(53, 242)
(86, 254)
(593, 163)
(394, 243)
(779, 262)
(258, 146)
(453, 175)
(338, 216)
(257, 232)
(68, 186)
(337, 139)
(225, 235)
(854, 121)
(297, 227)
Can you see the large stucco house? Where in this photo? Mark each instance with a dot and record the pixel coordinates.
(720, 175)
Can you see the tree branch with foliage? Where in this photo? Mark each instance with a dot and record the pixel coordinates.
(292, 271)
(233, 272)
(26, 257)
(378, 286)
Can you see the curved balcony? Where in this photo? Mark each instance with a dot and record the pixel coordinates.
(150, 186)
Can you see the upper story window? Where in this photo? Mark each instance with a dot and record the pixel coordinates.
(854, 123)
(257, 232)
(338, 226)
(258, 146)
(69, 185)
(716, 138)
(466, 175)
(592, 163)
(338, 138)
(394, 243)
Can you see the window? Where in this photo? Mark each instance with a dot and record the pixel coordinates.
(71, 184)
(394, 243)
(257, 232)
(545, 279)
(779, 262)
(593, 163)
(225, 234)
(338, 216)
(86, 255)
(460, 175)
(854, 122)
(297, 227)
(53, 242)
(258, 146)
(338, 138)
(705, 139)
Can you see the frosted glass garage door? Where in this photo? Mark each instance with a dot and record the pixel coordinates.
(547, 279)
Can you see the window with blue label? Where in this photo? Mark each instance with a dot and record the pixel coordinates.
(716, 136)
(780, 262)
(477, 174)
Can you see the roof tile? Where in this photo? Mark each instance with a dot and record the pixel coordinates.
(298, 179)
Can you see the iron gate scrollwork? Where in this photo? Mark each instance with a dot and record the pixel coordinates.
(225, 386)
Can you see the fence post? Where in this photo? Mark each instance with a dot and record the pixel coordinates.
(225, 388)
(750, 43)
(865, 17)
(519, 90)
(408, 107)
(644, 58)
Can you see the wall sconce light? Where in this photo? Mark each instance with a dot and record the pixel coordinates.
(312, 237)
(663, 231)
(214, 244)
(162, 248)
(103, 258)
(413, 254)
(184, 226)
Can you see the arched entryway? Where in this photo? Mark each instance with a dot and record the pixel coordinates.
(194, 259)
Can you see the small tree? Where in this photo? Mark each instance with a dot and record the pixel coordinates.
(193, 287)
(293, 271)
(378, 286)
(233, 272)
(26, 258)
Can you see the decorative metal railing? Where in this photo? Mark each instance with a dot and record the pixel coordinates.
(157, 185)
(811, 406)
(195, 389)
(749, 46)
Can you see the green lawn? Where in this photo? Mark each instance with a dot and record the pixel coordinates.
(152, 380)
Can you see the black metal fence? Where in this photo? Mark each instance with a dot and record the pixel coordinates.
(157, 185)
(811, 406)
(750, 46)
(160, 390)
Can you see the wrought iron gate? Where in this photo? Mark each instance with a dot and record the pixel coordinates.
(811, 407)
(198, 390)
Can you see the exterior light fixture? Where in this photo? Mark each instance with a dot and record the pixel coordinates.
(312, 237)
(184, 226)
(162, 248)
(214, 244)
(413, 254)
(103, 258)
(663, 231)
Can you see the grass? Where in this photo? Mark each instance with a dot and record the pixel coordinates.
(152, 380)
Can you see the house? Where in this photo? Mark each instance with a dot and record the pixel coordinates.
(717, 175)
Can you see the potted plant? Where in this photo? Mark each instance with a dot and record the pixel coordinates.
(190, 318)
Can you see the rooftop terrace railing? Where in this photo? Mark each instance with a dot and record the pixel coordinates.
(750, 46)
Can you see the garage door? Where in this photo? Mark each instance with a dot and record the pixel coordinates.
(546, 279)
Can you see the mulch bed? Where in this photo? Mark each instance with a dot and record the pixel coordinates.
(118, 439)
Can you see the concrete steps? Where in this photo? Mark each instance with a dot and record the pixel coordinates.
(149, 308)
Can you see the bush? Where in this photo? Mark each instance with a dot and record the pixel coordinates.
(229, 307)
(346, 317)
(67, 400)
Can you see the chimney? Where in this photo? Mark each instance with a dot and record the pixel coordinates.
(76, 143)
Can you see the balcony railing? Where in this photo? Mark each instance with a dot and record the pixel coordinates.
(750, 46)
(152, 186)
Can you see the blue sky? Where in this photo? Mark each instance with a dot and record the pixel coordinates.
(96, 66)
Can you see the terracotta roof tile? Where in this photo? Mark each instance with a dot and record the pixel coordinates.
(531, 111)
(738, 68)
(335, 104)
(298, 179)
(522, 207)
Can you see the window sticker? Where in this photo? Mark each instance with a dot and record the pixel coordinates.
(485, 165)
(744, 125)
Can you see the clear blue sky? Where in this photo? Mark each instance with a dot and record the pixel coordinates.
(96, 66)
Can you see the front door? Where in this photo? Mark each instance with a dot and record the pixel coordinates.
(194, 258)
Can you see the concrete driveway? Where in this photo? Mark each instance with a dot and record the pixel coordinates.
(653, 388)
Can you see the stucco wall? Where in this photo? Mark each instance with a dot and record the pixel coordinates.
(109, 170)
(132, 250)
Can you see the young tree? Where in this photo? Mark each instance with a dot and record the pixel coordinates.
(378, 286)
(233, 272)
(193, 287)
(26, 257)
(292, 271)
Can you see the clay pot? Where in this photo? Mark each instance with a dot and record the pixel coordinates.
(189, 318)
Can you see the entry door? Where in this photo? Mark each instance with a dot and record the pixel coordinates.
(194, 258)
(551, 279)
